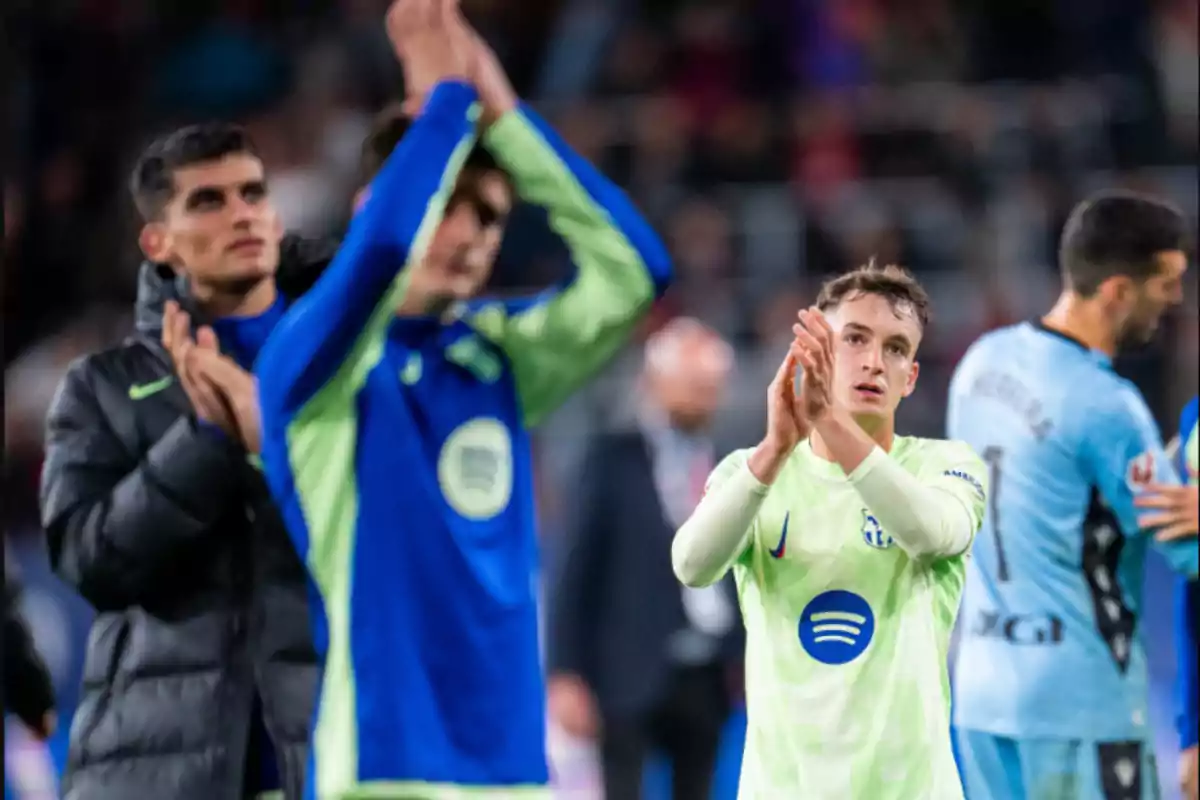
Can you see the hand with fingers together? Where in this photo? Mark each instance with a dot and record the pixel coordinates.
(1173, 511)
(236, 386)
(495, 90)
(786, 425)
(222, 394)
(182, 347)
(793, 411)
(813, 347)
(431, 40)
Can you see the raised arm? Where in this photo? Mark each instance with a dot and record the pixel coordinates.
(933, 512)
(719, 531)
(568, 333)
(119, 527)
(338, 327)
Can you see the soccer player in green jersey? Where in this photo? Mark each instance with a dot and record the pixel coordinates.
(847, 543)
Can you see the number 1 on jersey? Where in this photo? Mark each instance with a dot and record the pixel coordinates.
(994, 456)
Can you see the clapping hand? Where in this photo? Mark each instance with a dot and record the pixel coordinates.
(431, 39)
(813, 348)
(793, 411)
(492, 83)
(221, 393)
(786, 425)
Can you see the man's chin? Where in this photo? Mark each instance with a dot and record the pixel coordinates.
(869, 414)
(241, 270)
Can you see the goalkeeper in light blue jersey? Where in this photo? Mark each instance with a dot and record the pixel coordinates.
(1050, 677)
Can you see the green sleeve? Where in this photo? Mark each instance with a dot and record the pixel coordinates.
(563, 337)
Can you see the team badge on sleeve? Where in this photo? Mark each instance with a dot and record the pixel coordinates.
(1140, 472)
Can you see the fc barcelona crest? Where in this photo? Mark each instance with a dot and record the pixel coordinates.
(873, 533)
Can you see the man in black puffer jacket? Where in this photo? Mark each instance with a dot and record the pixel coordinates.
(200, 675)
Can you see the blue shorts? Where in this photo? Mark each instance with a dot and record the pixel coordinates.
(1003, 768)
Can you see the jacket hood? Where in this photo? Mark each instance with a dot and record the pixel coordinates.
(158, 283)
(301, 262)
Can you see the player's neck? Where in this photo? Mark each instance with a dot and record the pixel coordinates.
(882, 431)
(240, 301)
(1075, 317)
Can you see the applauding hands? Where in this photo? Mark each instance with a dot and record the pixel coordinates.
(435, 44)
(796, 403)
(222, 394)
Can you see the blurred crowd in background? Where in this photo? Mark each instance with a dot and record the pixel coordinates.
(772, 142)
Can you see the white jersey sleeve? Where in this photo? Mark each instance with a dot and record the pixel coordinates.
(718, 532)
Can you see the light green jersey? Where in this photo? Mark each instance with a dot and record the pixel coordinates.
(847, 637)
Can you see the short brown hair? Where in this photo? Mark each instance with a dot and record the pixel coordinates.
(388, 129)
(893, 283)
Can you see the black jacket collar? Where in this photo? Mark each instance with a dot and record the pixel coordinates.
(301, 262)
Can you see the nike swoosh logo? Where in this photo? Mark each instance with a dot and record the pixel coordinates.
(779, 548)
(143, 390)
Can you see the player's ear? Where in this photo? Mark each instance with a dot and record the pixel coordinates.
(1118, 291)
(910, 385)
(155, 242)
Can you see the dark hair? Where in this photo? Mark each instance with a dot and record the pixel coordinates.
(388, 129)
(893, 283)
(152, 183)
(1116, 233)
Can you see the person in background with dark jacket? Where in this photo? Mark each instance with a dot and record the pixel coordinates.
(637, 661)
(200, 674)
(28, 691)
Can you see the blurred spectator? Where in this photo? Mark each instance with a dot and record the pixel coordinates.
(636, 660)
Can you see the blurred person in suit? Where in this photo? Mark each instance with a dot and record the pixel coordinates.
(200, 673)
(637, 662)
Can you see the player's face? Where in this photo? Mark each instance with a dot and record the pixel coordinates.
(465, 246)
(1140, 308)
(875, 351)
(220, 226)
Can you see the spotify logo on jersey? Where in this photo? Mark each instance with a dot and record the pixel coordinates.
(836, 627)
